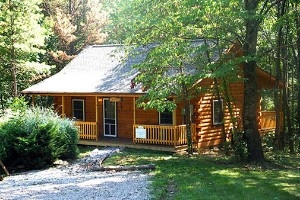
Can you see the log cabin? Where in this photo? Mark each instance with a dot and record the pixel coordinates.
(95, 89)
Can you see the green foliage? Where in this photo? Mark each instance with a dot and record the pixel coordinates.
(184, 42)
(267, 101)
(21, 45)
(239, 146)
(4, 144)
(64, 140)
(18, 104)
(37, 138)
(176, 57)
(268, 141)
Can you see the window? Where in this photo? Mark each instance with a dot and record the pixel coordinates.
(78, 109)
(166, 117)
(217, 114)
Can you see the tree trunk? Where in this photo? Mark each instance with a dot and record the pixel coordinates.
(278, 142)
(188, 120)
(297, 20)
(287, 113)
(253, 140)
(4, 168)
(12, 51)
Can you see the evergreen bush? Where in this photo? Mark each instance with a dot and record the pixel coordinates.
(35, 137)
(64, 140)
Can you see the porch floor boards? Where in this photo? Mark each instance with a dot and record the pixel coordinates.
(117, 142)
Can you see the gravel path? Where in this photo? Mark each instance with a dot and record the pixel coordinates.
(76, 182)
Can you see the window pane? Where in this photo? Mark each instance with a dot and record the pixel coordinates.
(166, 117)
(78, 105)
(109, 109)
(78, 109)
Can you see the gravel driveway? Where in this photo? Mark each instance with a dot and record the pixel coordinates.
(74, 182)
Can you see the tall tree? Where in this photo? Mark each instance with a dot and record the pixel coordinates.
(185, 38)
(297, 22)
(252, 22)
(170, 23)
(22, 38)
(284, 6)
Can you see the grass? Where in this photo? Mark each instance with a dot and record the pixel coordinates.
(203, 177)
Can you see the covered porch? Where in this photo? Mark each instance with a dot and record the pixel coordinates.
(172, 136)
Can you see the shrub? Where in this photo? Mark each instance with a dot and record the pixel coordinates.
(36, 137)
(268, 141)
(239, 146)
(3, 144)
(64, 140)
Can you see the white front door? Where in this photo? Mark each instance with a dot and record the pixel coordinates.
(110, 118)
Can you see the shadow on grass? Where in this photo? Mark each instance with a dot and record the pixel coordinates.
(199, 178)
(180, 177)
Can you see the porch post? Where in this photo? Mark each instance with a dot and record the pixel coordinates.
(63, 106)
(175, 129)
(97, 127)
(133, 130)
(174, 116)
(133, 110)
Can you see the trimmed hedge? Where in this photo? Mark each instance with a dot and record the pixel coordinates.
(36, 137)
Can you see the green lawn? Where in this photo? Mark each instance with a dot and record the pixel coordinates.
(203, 177)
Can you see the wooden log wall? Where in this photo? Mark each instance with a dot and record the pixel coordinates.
(209, 134)
(125, 117)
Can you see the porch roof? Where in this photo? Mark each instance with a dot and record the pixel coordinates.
(97, 69)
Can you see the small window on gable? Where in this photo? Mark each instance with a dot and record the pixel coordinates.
(78, 109)
(166, 117)
(217, 111)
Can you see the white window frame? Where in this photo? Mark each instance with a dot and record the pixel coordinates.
(213, 111)
(83, 110)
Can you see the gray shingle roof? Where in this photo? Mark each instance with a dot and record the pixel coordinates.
(97, 69)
